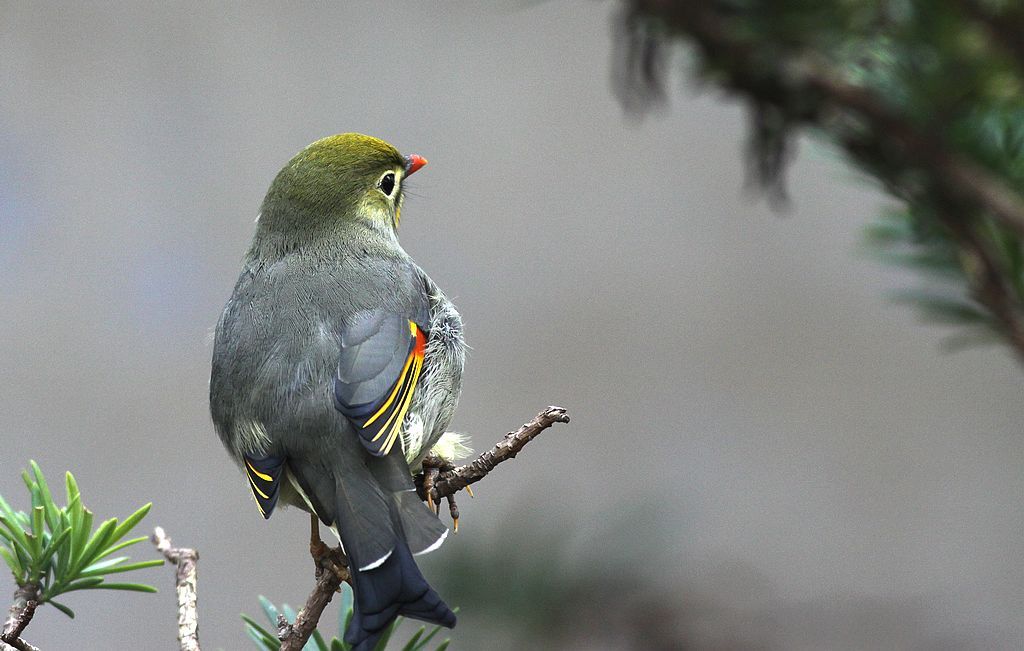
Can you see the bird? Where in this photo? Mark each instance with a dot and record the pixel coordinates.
(337, 367)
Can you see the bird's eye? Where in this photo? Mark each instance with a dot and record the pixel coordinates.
(387, 183)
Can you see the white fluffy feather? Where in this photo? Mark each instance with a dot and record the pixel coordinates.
(452, 446)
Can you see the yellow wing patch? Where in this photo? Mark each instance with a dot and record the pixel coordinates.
(264, 478)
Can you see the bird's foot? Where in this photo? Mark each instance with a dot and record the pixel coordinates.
(326, 557)
(433, 466)
(334, 561)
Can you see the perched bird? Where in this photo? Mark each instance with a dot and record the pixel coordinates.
(337, 366)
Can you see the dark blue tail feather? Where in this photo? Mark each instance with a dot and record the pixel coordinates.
(396, 587)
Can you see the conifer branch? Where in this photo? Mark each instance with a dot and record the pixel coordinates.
(988, 283)
(1006, 29)
(807, 91)
(794, 78)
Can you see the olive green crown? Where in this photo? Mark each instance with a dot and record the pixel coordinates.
(334, 172)
(323, 188)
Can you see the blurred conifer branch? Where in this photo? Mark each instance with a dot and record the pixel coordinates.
(926, 98)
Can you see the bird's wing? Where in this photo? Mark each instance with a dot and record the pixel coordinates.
(379, 366)
(265, 481)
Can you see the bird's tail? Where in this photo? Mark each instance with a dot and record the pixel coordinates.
(393, 585)
(382, 524)
(394, 588)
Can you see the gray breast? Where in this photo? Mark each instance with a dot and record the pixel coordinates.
(433, 404)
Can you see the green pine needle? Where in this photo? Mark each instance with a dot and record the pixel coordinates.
(267, 641)
(56, 549)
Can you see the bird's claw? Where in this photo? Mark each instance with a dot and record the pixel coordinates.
(453, 510)
(332, 559)
(429, 477)
(433, 466)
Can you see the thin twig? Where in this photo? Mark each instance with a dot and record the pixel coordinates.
(185, 584)
(449, 483)
(21, 612)
(294, 636)
(331, 571)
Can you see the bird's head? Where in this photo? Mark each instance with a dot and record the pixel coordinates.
(344, 180)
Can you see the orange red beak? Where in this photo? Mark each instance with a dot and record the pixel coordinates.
(413, 162)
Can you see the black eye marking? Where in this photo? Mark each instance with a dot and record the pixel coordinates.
(387, 183)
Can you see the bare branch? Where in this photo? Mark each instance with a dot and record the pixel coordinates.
(331, 571)
(185, 584)
(449, 483)
(20, 614)
(294, 636)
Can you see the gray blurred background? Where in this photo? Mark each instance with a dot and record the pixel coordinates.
(764, 452)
